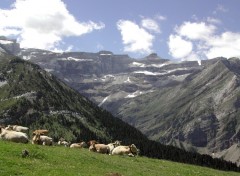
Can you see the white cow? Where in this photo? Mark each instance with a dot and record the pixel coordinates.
(113, 145)
(17, 128)
(13, 136)
(62, 141)
(78, 145)
(65, 143)
(130, 150)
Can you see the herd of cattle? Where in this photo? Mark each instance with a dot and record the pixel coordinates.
(18, 134)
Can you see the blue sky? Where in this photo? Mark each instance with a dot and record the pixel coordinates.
(174, 29)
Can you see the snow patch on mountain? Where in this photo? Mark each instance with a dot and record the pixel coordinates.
(103, 101)
(137, 93)
(48, 70)
(6, 42)
(159, 65)
(158, 73)
(147, 73)
(142, 65)
(27, 57)
(137, 64)
(75, 59)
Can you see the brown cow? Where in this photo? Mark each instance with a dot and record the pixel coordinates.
(41, 132)
(100, 148)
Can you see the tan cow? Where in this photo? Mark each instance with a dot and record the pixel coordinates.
(17, 128)
(78, 145)
(41, 132)
(13, 136)
(42, 140)
(130, 150)
(100, 148)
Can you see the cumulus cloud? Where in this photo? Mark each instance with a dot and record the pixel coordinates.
(227, 45)
(42, 23)
(151, 25)
(178, 47)
(195, 30)
(201, 40)
(135, 38)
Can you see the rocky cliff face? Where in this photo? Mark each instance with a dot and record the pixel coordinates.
(109, 79)
(201, 112)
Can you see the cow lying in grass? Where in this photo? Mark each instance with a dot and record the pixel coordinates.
(63, 142)
(41, 132)
(113, 145)
(78, 145)
(17, 128)
(100, 148)
(42, 140)
(13, 136)
(130, 150)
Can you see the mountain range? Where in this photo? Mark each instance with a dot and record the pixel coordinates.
(192, 105)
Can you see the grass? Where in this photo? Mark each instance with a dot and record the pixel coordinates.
(55, 160)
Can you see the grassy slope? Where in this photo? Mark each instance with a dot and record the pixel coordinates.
(56, 160)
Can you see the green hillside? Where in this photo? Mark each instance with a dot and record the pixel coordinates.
(54, 160)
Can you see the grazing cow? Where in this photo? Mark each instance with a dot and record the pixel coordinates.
(78, 145)
(42, 140)
(13, 136)
(113, 145)
(17, 128)
(130, 150)
(100, 148)
(41, 132)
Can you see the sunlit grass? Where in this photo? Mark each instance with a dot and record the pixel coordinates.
(54, 160)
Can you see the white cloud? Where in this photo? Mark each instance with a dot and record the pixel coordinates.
(195, 31)
(135, 38)
(42, 23)
(226, 45)
(151, 25)
(195, 41)
(178, 47)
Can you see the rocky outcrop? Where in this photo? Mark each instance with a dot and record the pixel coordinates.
(9, 45)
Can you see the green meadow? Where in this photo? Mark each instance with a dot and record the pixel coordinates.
(58, 160)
